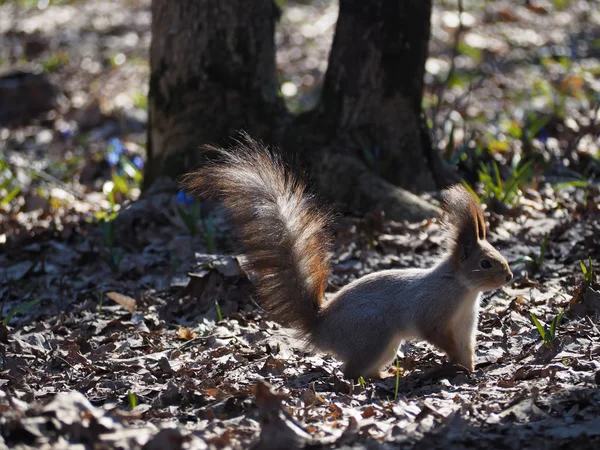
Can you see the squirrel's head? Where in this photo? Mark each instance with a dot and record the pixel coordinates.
(477, 263)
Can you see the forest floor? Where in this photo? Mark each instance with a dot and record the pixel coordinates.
(125, 325)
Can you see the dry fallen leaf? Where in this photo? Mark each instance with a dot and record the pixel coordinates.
(185, 333)
(125, 301)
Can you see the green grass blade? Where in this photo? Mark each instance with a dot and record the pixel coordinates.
(555, 322)
(10, 196)
(133, 402)
(19, 309)
(584, 270)
(218, 308)
(539, 326)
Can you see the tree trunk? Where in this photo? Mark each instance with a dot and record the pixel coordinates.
(212, 74)
(369, 118)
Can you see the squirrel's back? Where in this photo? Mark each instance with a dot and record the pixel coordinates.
(281, 230)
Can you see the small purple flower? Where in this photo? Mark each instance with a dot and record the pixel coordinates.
(115, 148)
(377, 153)
(183, 198)
(66, 134)
(115, 145)
(138, 162)
(112, 159)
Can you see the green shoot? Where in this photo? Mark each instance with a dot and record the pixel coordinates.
(553, 325)
(101, 303)
(218, 308)
(133, 401)
(9, 187)
(361, 381)
(573, 184)
(588, 271)
(507, 192)
(190, 217)
(547, 334)
(115, 256)
(541, 328)
(19, 309)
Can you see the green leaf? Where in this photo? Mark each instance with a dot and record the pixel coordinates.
(188, 220)
(539, 326)
(133, 402)
(218, 308)
(584, 270)
(120, 183)
(574, 183)
(19, 309)
(535, 126)
(130, 169)
(555, 322)
(10, 196)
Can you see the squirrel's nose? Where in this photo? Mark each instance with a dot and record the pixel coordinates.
(508, 276)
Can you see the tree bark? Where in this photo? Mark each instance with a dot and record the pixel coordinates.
(366, 143)
(368, 128)
(212, 74)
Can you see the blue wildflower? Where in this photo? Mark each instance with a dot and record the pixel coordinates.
(543, 135)
(112, 158)
(138, 162)
(115, 145)
(183, 198)
(115, 148)
(66, 134)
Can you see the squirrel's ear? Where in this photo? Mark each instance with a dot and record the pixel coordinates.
(464, 221)
(465, 244)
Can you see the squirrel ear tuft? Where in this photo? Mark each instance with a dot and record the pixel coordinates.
(464, 221)
(464, 247)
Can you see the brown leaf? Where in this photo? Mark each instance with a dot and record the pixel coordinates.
(586, 299)
(368, 412)
(273, 366)
(125, 301)
(185, 333)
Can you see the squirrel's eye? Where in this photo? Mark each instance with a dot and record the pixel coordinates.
(485, 264)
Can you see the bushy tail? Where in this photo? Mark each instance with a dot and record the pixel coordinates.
(282, 232)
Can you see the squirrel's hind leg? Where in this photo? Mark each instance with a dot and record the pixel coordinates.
(370, 366)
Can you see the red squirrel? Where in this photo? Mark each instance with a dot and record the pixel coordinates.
(286, 245)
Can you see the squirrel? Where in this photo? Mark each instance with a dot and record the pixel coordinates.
(286, 245)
